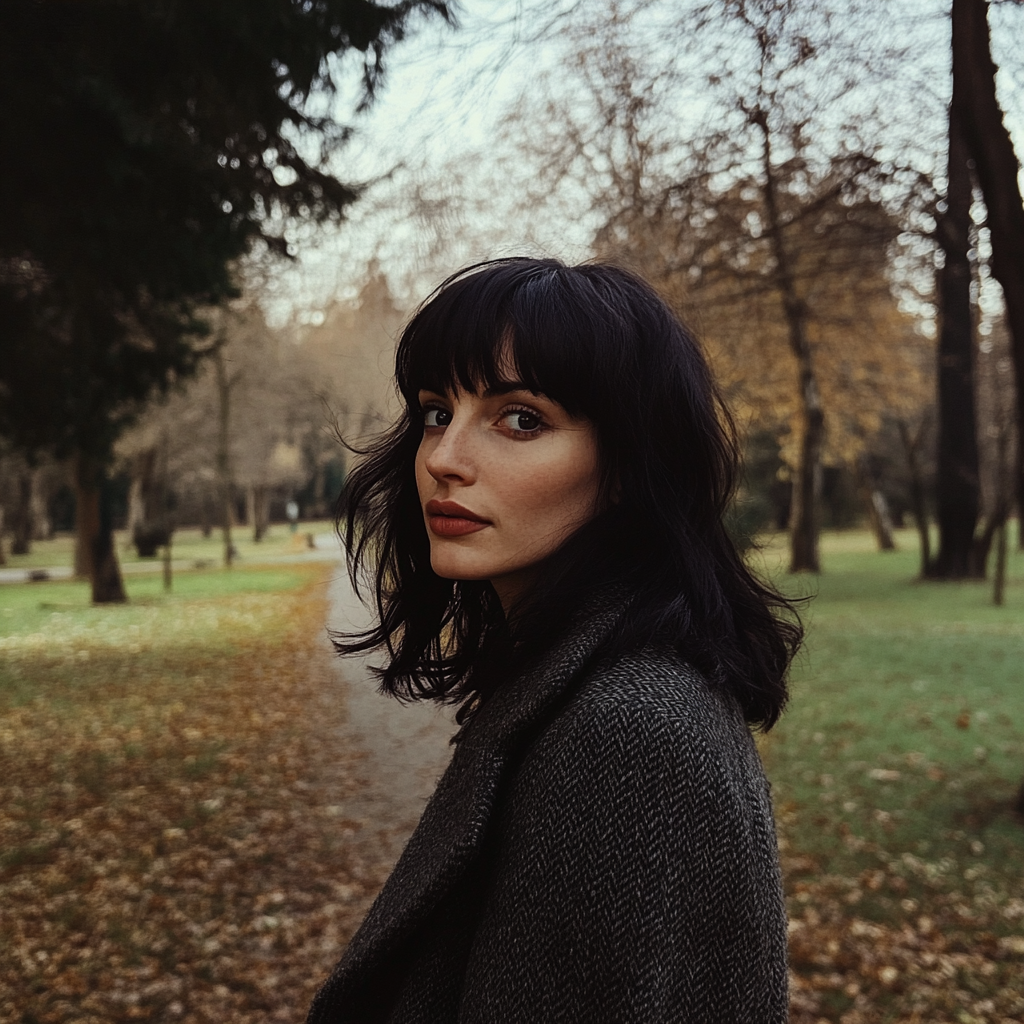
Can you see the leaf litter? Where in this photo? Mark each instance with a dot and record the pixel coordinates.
(175, 843)
(173, 837)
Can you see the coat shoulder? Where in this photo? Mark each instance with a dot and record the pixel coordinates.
(655, 695)
(634, 861)
(651, 720)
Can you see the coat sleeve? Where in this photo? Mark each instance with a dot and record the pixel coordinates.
(636, 876)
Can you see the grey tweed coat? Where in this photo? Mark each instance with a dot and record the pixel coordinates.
(601, 849)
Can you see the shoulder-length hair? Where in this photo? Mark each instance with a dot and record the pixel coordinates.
(599, 341)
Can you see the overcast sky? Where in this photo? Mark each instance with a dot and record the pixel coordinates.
(445, 93)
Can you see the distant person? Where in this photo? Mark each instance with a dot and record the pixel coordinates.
(544, 528)
(291, 510)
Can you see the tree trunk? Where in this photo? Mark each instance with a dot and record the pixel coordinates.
(142, 503)
(206, 513)
(149, 524)
(977, 566)
(21, 521)
(1018, 470)
(39, 513)
(95, 531)
(912, 446)
(804, 520)
(997, 167)
(168, 564)
(262, 520)
(257, 511)
(224, 385)
(999, 586)
(319, 509)
(995, 528)
(136, 509)
(876, 506)
(958, 483)
(3, 557)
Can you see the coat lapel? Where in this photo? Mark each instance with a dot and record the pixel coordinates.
(455, 820)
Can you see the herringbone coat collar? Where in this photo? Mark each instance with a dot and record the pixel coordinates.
(455, 820)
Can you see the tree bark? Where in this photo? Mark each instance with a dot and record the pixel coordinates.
(42, 526)
(877, 509)
(995, 529)
(257, 510)
(168, 564)
(804, 522)
(982, 547)
(999, 584)
(958, 482)
(996, 165)
(95, 531)
(149, 524)
(21, 521)
(142, 505)
(207, 512)
(912, 446)
(224, 385)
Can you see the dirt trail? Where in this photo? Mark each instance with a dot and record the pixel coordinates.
(405, 745)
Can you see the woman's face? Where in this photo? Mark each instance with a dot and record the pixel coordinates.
(504, 479)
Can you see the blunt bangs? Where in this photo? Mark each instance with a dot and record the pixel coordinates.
(534, 323)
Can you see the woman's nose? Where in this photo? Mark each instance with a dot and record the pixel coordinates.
(451, 457)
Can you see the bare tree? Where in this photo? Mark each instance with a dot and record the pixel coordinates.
(256, 426)
(913, 438)
(762, 225)
(997, 167)
(958, 485)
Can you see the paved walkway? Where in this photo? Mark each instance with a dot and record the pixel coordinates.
(406, 745)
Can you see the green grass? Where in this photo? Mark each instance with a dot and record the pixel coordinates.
(893, 769)
(904, 740)
(62, 608)
(188, 544)
(53, 642)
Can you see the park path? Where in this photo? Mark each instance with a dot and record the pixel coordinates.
(405, 747)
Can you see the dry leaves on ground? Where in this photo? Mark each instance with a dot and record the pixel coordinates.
(939, 962)
(175, 843)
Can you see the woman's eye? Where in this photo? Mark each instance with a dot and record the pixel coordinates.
(520, 421)
(434, 417)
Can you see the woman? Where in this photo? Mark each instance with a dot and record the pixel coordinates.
(544, 528)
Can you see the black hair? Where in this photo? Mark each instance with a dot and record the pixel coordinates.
(598, 340)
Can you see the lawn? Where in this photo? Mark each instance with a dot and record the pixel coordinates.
(172, 783)
(189, 547)
(173, 777)
(894, 773)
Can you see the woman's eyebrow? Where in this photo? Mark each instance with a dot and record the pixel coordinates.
(507, 387)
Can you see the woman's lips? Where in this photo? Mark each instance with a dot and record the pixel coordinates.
(449, 519)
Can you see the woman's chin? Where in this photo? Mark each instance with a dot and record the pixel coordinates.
(458, 569)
